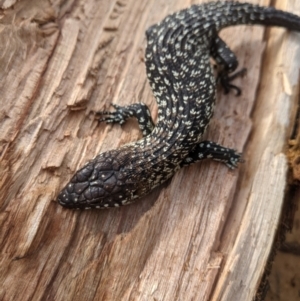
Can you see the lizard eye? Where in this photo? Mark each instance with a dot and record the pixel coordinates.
(105, 175)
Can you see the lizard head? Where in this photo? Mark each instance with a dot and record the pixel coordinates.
(106, 181)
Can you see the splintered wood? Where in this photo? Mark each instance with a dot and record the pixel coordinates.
(204, 235)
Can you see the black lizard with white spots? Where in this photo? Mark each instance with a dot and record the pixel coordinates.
(181, 77)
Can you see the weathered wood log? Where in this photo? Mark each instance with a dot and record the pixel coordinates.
(207, 233)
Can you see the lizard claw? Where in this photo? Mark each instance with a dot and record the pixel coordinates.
(225, 80)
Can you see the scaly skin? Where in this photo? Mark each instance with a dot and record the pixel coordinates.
(182, 81)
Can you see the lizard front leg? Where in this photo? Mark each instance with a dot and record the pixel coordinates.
(214, 151)
(138, 110)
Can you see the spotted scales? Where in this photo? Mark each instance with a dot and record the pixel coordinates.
(181, 77)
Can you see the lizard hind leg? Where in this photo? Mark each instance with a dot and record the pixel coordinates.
(227, 63)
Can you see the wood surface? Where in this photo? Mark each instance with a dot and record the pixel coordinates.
(204, 235)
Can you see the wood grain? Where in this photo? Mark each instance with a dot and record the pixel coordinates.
(207, 233)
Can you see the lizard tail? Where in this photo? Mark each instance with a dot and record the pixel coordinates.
(235, 13)
(274, 17)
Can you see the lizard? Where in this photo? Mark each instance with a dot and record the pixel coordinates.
(181, 76)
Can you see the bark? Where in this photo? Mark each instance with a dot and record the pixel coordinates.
(204, 235)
